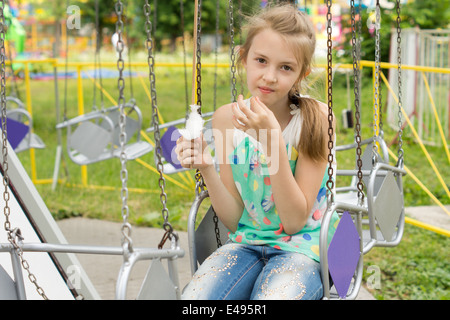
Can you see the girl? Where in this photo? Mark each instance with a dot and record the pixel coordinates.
(272, 153)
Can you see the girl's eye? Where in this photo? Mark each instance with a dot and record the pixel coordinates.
(286, 68)
(260, 60)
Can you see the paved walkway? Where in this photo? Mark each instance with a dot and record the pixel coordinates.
(432, 215)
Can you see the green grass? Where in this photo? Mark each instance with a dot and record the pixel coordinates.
(416, 269)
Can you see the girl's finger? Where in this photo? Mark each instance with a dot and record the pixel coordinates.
(257, 105)
(238, 115)
(243, 107)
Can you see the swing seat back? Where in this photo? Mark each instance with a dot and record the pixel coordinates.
(8, 291)
(89, 142)
(96, 136)
(384, 199)
(132, 126)
(17, 131)
(168, 145)
(202, 240)
(20, 125)
(169, 139)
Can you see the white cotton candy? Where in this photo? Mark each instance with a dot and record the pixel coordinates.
(194, 124)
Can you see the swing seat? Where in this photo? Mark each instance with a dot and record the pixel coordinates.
(169, 139)
(168, 144)
(20, 124)
(96, 136)
(384, 199)
(202, 240)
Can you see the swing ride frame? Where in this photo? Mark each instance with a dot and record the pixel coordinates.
(132, 255)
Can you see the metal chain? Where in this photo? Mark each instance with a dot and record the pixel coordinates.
(232, 53)
(380, 98)
(198, 65)
(155, 123)
(127, 242)
(330, 182)
(399, 80)
(200, 183)
(13, 234)
(376, 105)
(198, 79)
(356, 90)
(216, 53)
(186, 94)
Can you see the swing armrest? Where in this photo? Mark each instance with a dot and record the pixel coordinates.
(191, 227)
(138, 111)
(17, 101)
(378, 139)
(83, 118)
(22, 112)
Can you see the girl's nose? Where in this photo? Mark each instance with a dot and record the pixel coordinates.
(270, 76)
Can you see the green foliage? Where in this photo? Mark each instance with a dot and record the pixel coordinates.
(426, 14)
(421, 14)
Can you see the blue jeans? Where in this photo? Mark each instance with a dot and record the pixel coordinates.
(245, 272)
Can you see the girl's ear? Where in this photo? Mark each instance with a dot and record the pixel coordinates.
(307, 73)
(239, 51)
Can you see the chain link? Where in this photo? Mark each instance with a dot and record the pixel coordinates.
(155, 123)
(330, 182)
(14, 235)
(376, 105)
(356, 90)
(127, 242)
(198, 64)
(200, 183)
(399, 80)
(232, 53)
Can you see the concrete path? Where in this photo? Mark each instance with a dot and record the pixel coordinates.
(103, 270)
(432, 215)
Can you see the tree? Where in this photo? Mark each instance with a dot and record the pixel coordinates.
(423, 14)
(426, 14)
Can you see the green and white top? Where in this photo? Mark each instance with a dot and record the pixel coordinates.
(260, 223)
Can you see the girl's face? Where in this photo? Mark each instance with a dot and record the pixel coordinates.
(272, 69)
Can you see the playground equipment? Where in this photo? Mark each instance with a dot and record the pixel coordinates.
(20, 124)
(350, 240)
(16, 288)
(97, 136)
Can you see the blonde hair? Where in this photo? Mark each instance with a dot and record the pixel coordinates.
(298, 31)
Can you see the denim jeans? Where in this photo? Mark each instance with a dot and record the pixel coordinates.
(245, 272)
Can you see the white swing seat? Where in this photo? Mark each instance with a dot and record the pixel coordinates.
(96, 137)
(23, 117)
(168, 143)
(388, 209)
(202, 240)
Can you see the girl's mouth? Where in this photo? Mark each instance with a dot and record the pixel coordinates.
(265, 90)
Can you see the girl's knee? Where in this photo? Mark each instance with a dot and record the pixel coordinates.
(292, 277)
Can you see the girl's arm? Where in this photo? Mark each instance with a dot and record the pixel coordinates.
(294, 196)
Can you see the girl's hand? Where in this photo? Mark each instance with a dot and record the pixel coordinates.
(258, 121)
(193, 154)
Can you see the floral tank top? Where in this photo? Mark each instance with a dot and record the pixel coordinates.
(260, 223)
